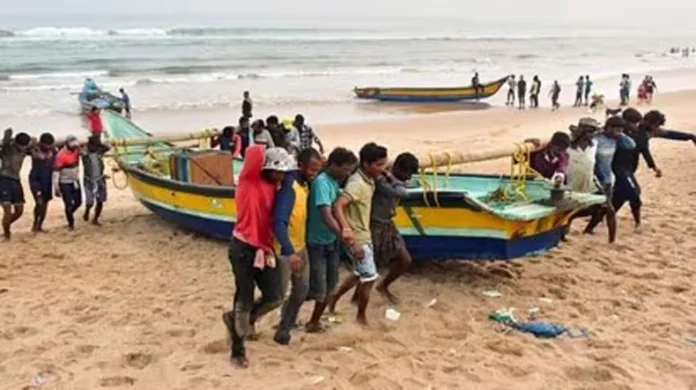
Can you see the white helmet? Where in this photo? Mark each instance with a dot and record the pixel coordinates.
(279, 160)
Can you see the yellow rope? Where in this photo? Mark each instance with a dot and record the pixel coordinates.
(449, 168)
(434, 168)
(516, 189)
(425, 185)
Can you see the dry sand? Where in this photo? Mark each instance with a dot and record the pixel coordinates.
(137, 303)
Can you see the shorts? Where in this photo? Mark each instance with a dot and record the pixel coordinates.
(626, 189)
(41, 190)
(387, 242)
(323, 267)
(95, 191)
(11, 191)
(366, 269)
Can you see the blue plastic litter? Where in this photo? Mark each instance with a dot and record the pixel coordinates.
(540, 329)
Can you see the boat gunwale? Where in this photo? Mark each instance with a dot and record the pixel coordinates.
(445, 198)
(498, 83)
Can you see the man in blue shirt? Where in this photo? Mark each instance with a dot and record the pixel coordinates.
(323, 231)
(290, 229)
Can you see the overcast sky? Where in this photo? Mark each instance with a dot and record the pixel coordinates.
(664, 12)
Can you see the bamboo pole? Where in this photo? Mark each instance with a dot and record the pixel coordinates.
(443, 159)
(168, 138)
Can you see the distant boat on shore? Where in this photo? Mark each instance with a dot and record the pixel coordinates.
(430, 95)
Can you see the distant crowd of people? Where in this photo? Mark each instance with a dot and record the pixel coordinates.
(518, 90)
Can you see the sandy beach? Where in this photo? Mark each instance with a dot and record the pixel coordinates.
(137, 303)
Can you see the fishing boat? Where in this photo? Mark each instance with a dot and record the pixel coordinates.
(446, 216)
(100, 100)
(92, 96)
(430, 95)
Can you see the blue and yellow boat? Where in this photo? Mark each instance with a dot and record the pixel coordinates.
(450, 216)
(430, 95)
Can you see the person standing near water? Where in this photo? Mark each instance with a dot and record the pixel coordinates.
(126, 102)
(476, 83)
(588, 89)
(512, 86)
(521, 92)
(96, 127)
(625, 89)
(555, 93)
(534, 92)
(247, 106)
(580, 84)
(12, 154)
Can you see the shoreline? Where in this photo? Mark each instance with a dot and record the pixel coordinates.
(331, 114)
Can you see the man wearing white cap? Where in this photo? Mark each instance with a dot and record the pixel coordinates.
(251, 248)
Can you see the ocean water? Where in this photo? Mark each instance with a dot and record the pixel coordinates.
(196, 66)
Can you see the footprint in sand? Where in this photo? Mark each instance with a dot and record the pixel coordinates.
(24, 331)
(138, 360)
(181, 332)
(589, 374)
(215, 347)
(116, 381)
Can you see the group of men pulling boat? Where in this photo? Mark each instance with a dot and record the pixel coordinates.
(55, 171)
(604, 159)
(296, 210)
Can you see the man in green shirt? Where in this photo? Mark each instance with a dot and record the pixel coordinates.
(352, 210)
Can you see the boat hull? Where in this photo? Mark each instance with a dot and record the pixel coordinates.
(439, 233)
(429, 95)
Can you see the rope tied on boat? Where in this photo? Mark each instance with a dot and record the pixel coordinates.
(448, 169)
(113, 163)
(425, 185)
(519, 171)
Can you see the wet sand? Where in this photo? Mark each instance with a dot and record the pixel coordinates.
(137, 303)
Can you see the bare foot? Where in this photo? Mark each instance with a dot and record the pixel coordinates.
(240, 361)
(7, 236)
(314, 328)
(362, 320)
(387, 294)
(331, 306)
(96, 223)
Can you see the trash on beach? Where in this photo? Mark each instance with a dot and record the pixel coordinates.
(692, 340)
(492, 294)
(540, 329)
(345, 349)
(503, 316)
(546, 300)
(431, 303)
(533, 313)
(40, 380)
(318, 380)
(392, 314)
